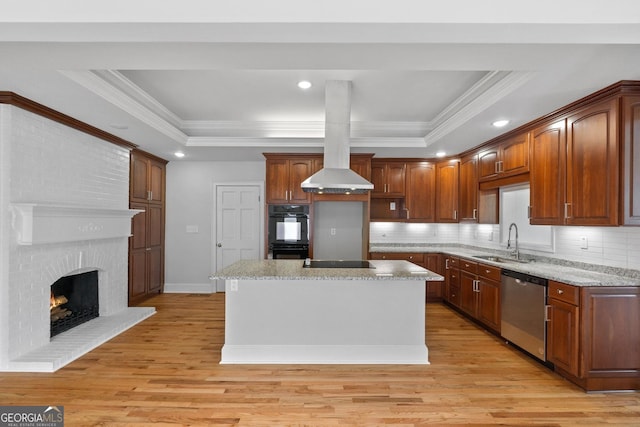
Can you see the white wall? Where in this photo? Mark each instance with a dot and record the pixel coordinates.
(188, 257)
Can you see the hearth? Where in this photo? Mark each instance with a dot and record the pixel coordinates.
(74, 301)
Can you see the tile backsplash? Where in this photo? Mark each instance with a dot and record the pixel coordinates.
(610, 246)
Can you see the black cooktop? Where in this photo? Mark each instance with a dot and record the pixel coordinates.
(336, 264)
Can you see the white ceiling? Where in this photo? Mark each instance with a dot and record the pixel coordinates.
(217, 80)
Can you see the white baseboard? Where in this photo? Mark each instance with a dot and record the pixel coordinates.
(189, 288)
(325, 354)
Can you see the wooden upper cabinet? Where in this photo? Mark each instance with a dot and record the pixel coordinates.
(299, 170)
(420, 191)
(284, 177)
(388, 178)
(361, 164)
(469, 189)
(447, 191)
(575, 169)
(147, 179)
(631, 174)
(547, 175)
(592, 166)
(508, 158)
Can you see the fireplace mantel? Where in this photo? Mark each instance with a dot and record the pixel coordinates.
(38, 223)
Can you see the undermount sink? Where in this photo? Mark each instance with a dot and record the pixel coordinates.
(495, 258)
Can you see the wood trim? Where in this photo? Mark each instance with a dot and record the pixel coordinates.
(16, 100)
(150, 156)
(500, 182)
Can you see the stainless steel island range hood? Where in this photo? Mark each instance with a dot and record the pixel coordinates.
(336, 177)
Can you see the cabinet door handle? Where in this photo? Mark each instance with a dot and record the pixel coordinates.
(567, 206)
(147, 249)
(149, 195)
(547, 312)
(455, 214)
(446, 264)
(496, 167)
(475, 214)
(501, 167)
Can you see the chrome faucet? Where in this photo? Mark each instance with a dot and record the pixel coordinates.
(517, 251)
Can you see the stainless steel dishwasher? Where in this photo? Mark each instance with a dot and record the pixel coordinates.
(523, 309)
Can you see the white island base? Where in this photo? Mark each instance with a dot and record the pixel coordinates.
(300, 321)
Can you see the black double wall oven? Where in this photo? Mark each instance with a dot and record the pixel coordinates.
(289, 231)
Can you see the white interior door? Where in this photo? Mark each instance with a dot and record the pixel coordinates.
(238, 225)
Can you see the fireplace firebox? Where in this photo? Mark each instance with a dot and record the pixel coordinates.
(74, 300)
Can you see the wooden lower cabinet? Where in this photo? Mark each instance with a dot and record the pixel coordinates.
(433, 262)
(452, 280)
(146, 253)
(593, 337)
(435, 289)
(480, 293)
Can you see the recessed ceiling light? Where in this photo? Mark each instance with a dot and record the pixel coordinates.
(304, 84)
(441, 154)
(179, 154)
(500, 123)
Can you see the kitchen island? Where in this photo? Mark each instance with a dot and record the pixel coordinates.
(278, 311)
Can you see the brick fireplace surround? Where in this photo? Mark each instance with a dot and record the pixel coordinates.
(63, 210)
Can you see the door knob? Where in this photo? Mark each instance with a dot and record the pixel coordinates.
(219, 245)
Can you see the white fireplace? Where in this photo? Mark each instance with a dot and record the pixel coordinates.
(64, 210)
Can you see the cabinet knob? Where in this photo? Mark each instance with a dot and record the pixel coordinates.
(410, 257)
(487, 271)
(560, 292)
(219, 245)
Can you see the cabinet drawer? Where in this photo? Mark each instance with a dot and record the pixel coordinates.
(453, 277)
(468, 266)
(564, 292)
(452, 263)
(416, 258)
(489, 272)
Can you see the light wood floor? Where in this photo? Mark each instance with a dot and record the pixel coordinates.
(165, 371)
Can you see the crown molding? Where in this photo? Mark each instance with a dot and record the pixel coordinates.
(127, 103)
(120, 91)
(489, 90)
(388, 142)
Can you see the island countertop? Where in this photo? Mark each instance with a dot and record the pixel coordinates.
(290, 269)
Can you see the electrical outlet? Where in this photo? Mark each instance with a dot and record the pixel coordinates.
(584, 242)
(333, 231)
(392, 206)
(491, 236)
(233, 285)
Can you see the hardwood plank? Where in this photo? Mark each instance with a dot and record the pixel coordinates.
(166, 371)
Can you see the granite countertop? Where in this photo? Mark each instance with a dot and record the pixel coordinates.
(293, 270)
(561, 273)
